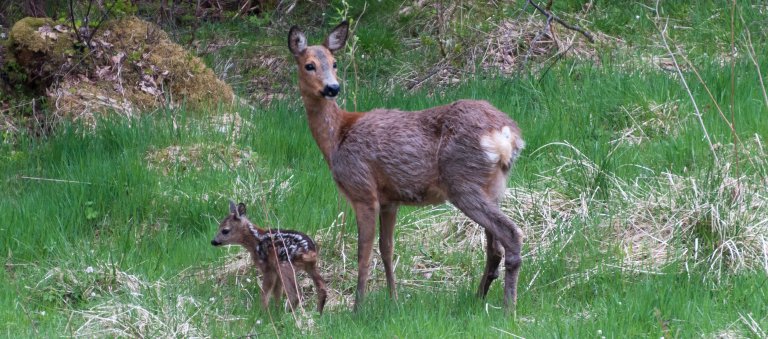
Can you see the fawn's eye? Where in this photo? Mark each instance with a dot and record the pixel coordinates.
(334, 65)
(309, 67)
(225, 231)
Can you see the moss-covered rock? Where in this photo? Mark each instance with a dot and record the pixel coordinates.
(37, 47)
(129, 66)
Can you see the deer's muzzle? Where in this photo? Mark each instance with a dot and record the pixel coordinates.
(331, 91)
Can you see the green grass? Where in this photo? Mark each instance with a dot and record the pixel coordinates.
(124, 231)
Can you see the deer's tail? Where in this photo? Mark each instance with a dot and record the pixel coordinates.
(502, 146)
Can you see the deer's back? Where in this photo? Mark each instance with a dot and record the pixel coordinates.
(409, 153)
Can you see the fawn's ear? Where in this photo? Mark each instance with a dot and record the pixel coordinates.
(240, 209)
(233, 208)
(338, 37)
(297, 41)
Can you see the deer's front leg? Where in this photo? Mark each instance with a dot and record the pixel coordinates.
(270, 280)
(288, 279)
(387, 219)
(366, 229)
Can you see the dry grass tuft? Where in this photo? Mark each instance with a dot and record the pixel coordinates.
(71, 286)
(132, 319)
(197, 157)
(649, 122)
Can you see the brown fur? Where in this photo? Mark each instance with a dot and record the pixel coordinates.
(386, 158)
(278, 275)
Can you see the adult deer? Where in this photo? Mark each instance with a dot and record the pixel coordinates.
(461, 152)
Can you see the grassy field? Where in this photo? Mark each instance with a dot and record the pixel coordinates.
(636, 226)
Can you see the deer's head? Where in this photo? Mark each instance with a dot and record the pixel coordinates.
(317, 66)
(234, 228)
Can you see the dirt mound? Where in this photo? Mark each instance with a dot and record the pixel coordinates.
(129, 66)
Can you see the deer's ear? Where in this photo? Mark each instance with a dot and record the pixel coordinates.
(338, 37)
(240, 209)
(233, 208)
(297, 41)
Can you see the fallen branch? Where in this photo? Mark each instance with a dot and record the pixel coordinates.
(55, 180)
(552, 17)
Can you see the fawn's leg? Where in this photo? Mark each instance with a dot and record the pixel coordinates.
(366, 228)
(270, 280)
(322, 293)
(492, 261)
(277, 290)
(475, 204)
(387, 218)
(288, 277)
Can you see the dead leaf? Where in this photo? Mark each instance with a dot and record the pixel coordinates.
(118, 59)
(47, 33)
(61, 28)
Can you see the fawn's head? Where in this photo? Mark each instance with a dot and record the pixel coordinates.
(317, 66)
(234, 228)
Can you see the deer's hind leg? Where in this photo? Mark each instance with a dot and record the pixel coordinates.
(476, 204)
(493, 253)
(495, 188)
(317, 279)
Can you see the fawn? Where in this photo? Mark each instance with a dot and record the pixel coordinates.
(276, 253)
(461, 152)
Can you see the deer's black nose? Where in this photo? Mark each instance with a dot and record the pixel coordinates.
(331, 90)
(215, 243)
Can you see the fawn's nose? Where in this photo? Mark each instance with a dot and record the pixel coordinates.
(331, 90)
(215, 243)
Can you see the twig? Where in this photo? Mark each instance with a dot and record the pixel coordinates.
(753, 57)
(535, 40)
(56, 180)
(426, 77)
(733, 94)
(507, 333)
(72, 19)
(551, 16)
(98, 24)
(663, 33)
(714, 102)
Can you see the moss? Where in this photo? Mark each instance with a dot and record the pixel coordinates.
(39, 50)
(25, 33)
(185, 75)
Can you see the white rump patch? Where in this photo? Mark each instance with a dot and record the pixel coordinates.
(502, 146)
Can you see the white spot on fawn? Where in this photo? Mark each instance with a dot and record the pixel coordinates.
(502, 146)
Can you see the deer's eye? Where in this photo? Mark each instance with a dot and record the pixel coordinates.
(309, 67)
(334, 65)
(225, 231)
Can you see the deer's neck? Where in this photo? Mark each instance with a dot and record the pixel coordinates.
(253, 240)
(326, 120)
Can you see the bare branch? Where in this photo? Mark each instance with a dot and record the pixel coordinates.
(98, 24)
(72, 19)
(551, 16)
